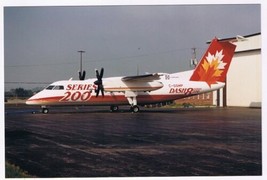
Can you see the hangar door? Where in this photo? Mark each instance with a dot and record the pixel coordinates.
(244, 80)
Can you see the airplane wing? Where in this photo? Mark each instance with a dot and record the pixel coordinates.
(133, 84)
(143, 78)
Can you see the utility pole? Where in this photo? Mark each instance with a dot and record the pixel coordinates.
(81, 72)
(81, 59)
(193, 61)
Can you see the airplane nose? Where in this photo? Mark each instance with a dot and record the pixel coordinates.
(29, 102)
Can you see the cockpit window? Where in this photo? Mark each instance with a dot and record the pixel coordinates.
(58, 88)
(50, 87)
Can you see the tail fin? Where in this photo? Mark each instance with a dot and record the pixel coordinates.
(214, 64)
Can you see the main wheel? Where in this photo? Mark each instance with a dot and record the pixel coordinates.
(114, 108)
(45, 110)
(135, 109)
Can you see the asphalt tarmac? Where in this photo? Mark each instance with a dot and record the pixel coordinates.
(92, 142)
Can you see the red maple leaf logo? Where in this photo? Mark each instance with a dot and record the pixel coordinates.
(209, 71)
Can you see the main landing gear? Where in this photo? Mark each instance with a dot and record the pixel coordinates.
(135, 109)
(114, 108)
(131, 97)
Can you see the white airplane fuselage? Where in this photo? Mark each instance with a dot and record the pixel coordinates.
(75, 92)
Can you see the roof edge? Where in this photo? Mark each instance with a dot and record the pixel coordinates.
(232, 38)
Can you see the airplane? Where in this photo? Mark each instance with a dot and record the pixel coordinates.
(209, 75)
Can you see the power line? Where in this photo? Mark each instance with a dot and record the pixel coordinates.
(33, 65)
(16, 82)
(102, 60)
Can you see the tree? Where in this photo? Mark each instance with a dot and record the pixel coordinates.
(20, 92)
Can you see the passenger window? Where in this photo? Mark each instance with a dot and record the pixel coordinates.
(50, 87)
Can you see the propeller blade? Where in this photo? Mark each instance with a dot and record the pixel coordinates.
(82, 75)
(99, 82)
(101, 72)
(102, 90)
(97, 74)
(97, 92)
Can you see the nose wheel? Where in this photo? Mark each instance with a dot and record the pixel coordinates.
(45, 110)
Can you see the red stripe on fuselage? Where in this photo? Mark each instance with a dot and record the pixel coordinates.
(106, 100)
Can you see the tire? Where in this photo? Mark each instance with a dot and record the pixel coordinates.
(114, 108)
(45, 110)
(135, 109)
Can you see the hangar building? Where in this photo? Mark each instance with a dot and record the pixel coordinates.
(243, 84)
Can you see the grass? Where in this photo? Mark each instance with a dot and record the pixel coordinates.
(13, 171)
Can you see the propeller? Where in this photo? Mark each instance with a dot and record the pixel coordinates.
(81, 75)
(99, 82)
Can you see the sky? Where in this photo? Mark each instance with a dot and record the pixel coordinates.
(41, 43)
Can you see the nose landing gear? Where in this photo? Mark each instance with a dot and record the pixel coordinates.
(44, 110)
